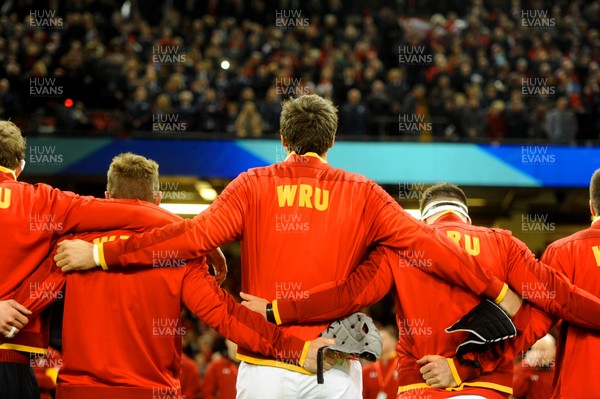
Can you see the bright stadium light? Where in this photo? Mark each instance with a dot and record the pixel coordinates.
(184, 209)
(225, 64)
(206, 191)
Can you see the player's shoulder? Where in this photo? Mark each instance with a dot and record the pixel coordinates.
(592, 232)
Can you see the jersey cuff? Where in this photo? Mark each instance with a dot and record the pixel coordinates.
(276, 312)
(502, 294)
(455, 375)
(100, 261)
(464, 371)
(304, 353)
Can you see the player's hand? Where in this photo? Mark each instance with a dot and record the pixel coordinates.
(74, 255)
(12, 317)
(219, 264)
(436, 372)
(329, 357)
(511, 303)
(255, 303)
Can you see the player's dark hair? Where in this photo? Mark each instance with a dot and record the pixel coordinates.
(595, 190)
(132, 176)
(308, 124)
(442, 191)
(12, 145)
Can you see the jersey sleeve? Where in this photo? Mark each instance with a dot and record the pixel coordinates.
(42, 287)
(549, 289)
(217, 308)
(371, 280)
(80, 214)
(395, 228)
(221, 223)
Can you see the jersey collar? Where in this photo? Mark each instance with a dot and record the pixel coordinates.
(308, 154)
(8, 171)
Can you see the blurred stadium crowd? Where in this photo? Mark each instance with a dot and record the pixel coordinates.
(477, 70)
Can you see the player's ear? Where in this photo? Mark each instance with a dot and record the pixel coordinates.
(106, 195)
(592, 211)
(332, 142)
(20, 168)
(158, 198)
(283, 142)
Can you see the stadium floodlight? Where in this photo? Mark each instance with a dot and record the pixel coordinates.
(225, 64)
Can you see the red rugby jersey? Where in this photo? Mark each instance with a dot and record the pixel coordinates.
(302, 223)
(427, 305)
(379, 377)
(33, 218)
(578, 257)
(220, 379)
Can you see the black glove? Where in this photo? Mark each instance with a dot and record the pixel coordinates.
(486, 324)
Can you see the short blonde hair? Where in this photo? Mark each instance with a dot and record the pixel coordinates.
(132, 176)
(12, 145)
(308, 124)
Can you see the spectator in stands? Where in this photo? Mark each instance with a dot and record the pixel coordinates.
(270, 110)
(186, 110)
(495, 122)
(8, 100)
(249, 122)
(472, 120)
(138, 111)
(354, 115)
(211, 112)
(561, 124)
(517, 118)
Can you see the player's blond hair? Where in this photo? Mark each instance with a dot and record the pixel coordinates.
(12, 145)
(308, 124)
(132, 176)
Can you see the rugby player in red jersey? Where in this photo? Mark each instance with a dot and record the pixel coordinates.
(578, 257)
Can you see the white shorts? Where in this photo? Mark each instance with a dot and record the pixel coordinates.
(343, 381)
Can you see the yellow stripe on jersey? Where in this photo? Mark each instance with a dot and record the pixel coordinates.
(101, 256)
(454, 371)
(23, 348)
(502, 294)
(304, 353)
(276, 312)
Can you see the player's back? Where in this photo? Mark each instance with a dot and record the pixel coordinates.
(122, 330)
(578, 257)
(307, 223)
(426, 305)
